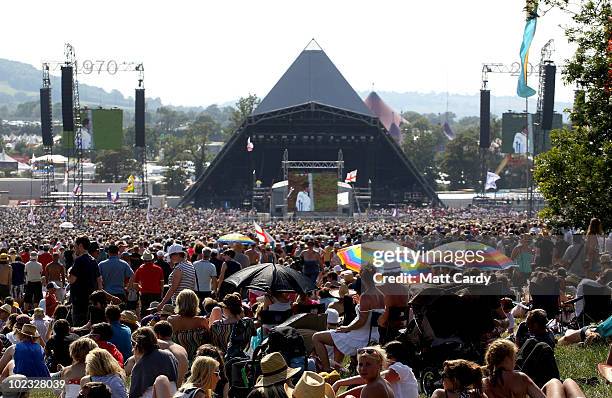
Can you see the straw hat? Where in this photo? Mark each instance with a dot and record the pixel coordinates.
(7, 308)
(129, 317)
(342, 291)
(29, 330)
(274, 370)
(147, 256)
(310, 385)
(167, 309)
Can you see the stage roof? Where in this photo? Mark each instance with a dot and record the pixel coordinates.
(312, 78)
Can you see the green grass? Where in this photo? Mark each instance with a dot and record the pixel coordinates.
(574, 362)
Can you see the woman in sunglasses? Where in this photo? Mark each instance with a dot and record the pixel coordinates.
(460, 379)
(205, 374)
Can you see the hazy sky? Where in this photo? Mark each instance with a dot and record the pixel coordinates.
(203, 52)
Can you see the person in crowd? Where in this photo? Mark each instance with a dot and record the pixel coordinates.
(163, 264)
(56, 273)
(33, 287)
(274, 375)
(182, 276)
(74, 371)
(190, 330)
(229, 312)
(347, 339)
(206, 276)
(209, 350)
(522, 254)
(150, 279)
(535, 326)
(84, 278)
(6, 275)
(115, 272)
(122, 335)
(129, 319)
(29, 354)
(102, 333)
(163, 332)
(100, 366)
(371, 362)
(503, 381)
(95, 390)
(5, 313)
(461, 379)
(18, 279)
(230, 267)
(51, 299)
(57, 346)
(42, 324)
(398, 374)
(205, 374)
(591, 262)
(313, 263)
(151, 362)
(240, 257)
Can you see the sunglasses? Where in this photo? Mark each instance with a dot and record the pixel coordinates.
(217, 372)
(368, 351)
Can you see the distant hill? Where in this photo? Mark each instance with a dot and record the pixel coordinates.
(460, 105)
(20, 82)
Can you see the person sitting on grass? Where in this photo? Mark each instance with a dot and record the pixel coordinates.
(503, 381)
(73, 373)
(398, 374)
(100, 366)
(460, 379)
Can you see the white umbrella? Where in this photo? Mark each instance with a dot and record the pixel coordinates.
(66, 225)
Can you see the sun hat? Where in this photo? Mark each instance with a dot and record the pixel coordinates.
(4, 257)
(167, 309)
(160, 253)
(175, 248)
(153, 306)
(7, 308)
(147, 256)
(310, 385)
(129, 317)
(274, 370)
(29, 330)
(342, 291)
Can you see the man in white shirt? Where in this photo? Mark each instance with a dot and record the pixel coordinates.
(303, 202)
(206, 275)
(33, 277)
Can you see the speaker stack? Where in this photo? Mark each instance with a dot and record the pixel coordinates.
(485, 118)
(67, 104)
(139, 116)
(45, 116)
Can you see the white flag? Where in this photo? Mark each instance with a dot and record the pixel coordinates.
(249, 146)
(351, 176)
(491, 179)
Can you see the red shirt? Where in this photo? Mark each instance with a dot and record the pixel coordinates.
(50, 303)
(110, 347)
(25, 257)
(45, 259)
(150, 278)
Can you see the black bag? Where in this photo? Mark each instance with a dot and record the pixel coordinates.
(287, 341)
(537, 360)
(239, 337)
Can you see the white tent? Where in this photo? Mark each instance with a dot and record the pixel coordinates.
(56, 159)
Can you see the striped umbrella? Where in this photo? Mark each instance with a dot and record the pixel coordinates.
(389, 256)
(235, 238)
(479, 255)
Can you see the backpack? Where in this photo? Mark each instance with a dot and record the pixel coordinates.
(287, 341)
(537, 360)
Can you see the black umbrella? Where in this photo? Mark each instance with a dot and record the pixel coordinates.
(273, 277)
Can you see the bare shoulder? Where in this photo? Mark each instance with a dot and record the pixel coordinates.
(378, 389)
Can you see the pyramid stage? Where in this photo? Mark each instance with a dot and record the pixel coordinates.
(313, 113)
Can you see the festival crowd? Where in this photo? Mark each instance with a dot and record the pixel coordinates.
(155, 303)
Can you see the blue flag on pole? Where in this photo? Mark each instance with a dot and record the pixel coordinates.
(523, 90)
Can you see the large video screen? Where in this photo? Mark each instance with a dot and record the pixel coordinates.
(101, 129)
(518, 133)
(312, 192)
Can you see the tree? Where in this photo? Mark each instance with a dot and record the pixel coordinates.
(197, 137)
(244, 107)
(575, 176)
(421, 142)
(115, 166)
(175, 179)
(152, 140)
(461, 161)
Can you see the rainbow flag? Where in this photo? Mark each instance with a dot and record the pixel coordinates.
(523, 90)
(453, 255)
